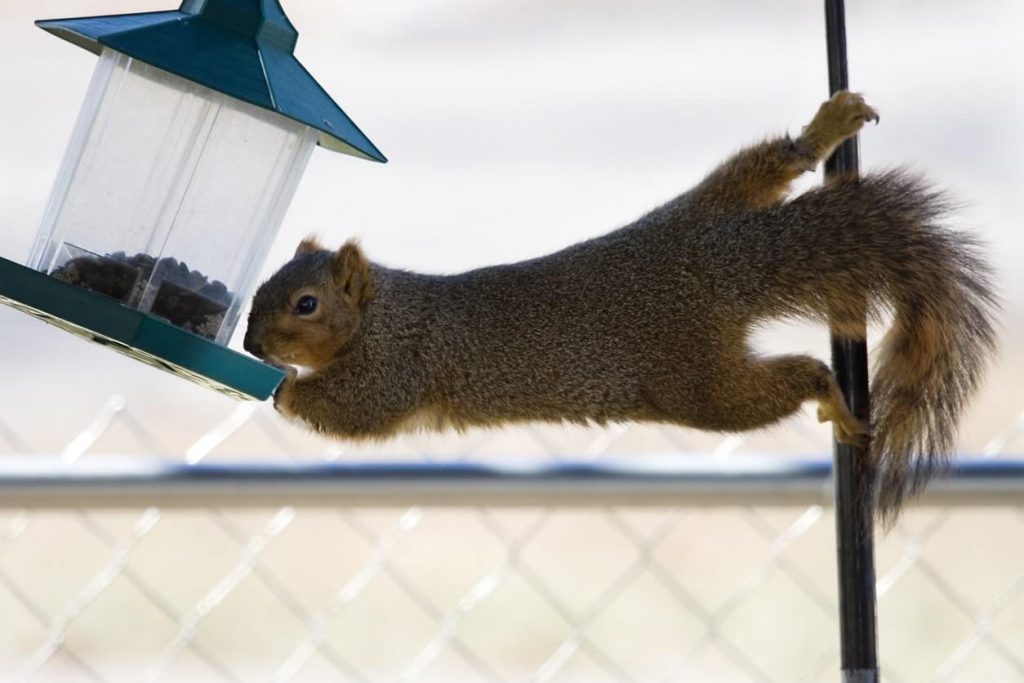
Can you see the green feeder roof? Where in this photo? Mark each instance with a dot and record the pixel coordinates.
(243, 48)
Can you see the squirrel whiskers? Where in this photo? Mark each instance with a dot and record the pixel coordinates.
(651, 322)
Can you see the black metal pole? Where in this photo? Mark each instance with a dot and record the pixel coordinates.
(852, 470)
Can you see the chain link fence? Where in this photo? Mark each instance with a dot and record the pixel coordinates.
(484, 594)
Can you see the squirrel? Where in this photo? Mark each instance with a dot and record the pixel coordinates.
(651, 321)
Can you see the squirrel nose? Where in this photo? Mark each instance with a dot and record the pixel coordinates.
(251, 345)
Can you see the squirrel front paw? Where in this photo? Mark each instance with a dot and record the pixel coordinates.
(286, 390)
(837, 119)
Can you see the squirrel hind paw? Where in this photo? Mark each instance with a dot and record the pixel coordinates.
(849, 430)
(838, 118)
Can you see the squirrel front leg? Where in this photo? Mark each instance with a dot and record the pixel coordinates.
(760, 175)
(302, 398)
(321, 402)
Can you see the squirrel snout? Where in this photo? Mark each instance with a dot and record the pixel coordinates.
(251, 345)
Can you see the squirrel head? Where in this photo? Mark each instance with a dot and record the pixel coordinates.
(312, 307)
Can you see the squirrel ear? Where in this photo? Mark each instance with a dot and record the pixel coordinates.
(353, 272)
(308, 245)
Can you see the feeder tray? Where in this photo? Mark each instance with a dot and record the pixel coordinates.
(142, 336)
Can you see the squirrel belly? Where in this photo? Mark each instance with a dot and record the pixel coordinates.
(651, 322)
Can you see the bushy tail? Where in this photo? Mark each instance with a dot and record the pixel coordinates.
(933, 357)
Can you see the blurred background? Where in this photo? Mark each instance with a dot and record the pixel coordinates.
(514, 128)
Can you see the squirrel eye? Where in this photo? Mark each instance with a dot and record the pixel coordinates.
(306, 305)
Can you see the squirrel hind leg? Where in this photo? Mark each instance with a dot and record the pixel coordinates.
(751, 392)
(803, 378)
(813, 380)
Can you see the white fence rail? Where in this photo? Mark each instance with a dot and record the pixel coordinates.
(669, 481)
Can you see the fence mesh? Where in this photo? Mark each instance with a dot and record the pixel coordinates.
(484, 594)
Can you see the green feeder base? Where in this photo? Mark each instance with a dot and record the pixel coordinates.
(142, 336)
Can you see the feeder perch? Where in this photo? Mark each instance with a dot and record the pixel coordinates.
(195, 130)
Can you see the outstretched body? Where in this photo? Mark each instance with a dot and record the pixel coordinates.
(651, 322)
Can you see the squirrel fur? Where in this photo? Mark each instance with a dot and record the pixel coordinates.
(651, 322)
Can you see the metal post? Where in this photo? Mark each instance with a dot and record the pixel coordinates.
(854, 514)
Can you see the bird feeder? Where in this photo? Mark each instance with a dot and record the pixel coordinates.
(195, 130)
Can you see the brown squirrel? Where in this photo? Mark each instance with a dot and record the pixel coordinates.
(651, 322)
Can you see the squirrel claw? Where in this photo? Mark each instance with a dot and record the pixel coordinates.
(848, 429)
(858, 440)
(872, 115)
(853, 432)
